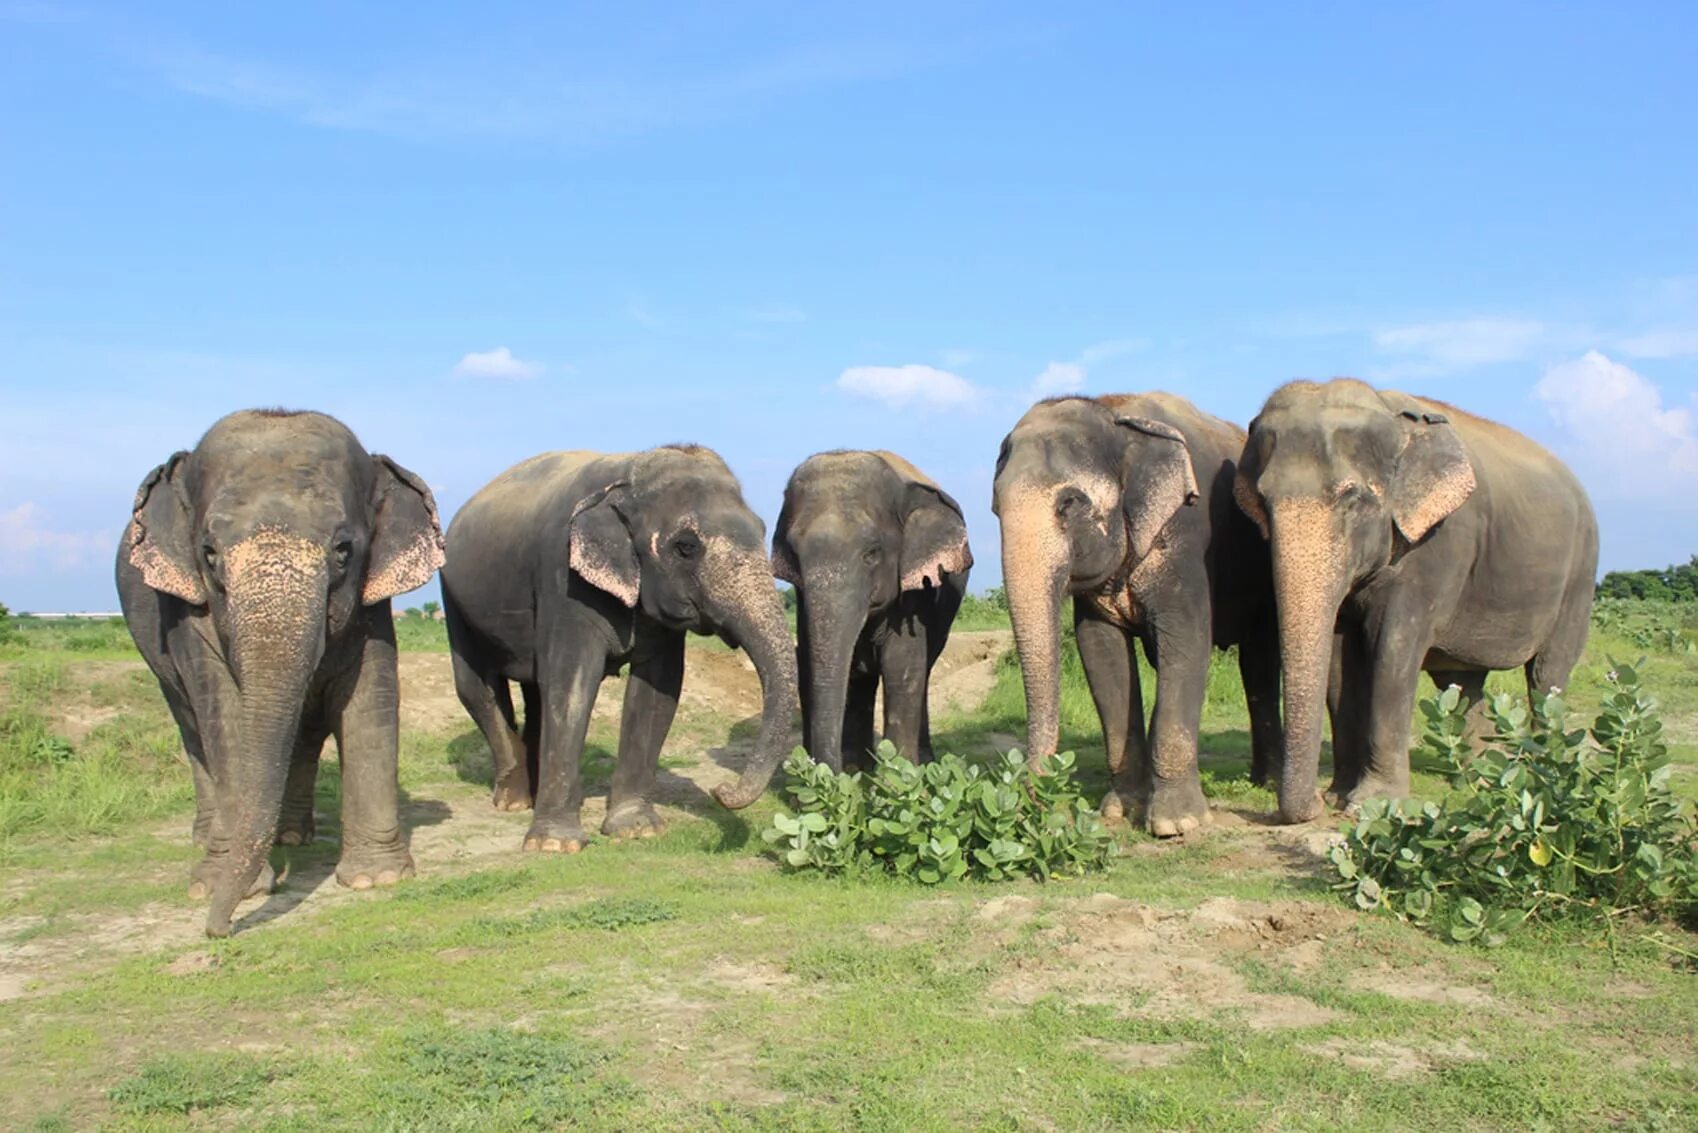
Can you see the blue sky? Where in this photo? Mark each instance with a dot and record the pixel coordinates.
(478, 232)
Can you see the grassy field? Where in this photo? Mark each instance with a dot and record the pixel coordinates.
(687, 982)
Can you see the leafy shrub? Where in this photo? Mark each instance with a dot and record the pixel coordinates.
(939, 821)
(183, 1084)
(8, 627)
(1544, 822)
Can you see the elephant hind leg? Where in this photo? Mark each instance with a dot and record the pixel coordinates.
(532, 693)
(484, 692)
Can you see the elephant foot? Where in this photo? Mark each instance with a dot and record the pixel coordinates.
(373, 868)
(633, 820)
(551, 838)
(1374, 787)
(204, 876)
(1303, 810)
(1176, 808)
(1113, 808)
(512, 792)
(296, 830)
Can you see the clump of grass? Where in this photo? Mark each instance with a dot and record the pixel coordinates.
(486, 883)
(184, 1084)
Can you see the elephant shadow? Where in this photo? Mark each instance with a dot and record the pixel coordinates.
(303, 870)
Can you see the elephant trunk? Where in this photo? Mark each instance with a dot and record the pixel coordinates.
(832, 618)
(277, 590)
(1035, 562)
(754, 616)
(1309, 584)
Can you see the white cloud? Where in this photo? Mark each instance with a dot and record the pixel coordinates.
(27, 544)
(1059, 378)
(1463, 343)
(1616, 425)
(898, 386)
(497, 364)
(1667, 343)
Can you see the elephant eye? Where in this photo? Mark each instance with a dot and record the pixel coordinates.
(209, 555)
(872, 555)
(687, 546)
(343, 552)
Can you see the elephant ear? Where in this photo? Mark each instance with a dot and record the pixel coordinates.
(602, 548)
(406, 540)
(784, 565)
(1159, 479)
(934, 537)
(161, 534)
(1434, 476)
(1244, 491)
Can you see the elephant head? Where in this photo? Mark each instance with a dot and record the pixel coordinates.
(1341, 479)
(281, 526)
(1083, 491)
(856, 531)
(671, 534)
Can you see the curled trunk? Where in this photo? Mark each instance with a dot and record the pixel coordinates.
(1309, 585)
(753, 614)
(831, 624)
(1034, 570)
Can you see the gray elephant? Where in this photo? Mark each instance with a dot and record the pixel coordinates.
(1430, 539)
(1125, 502)
(879, 558)
(255, 577)
(568, 566)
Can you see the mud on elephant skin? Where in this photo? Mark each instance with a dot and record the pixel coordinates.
(255, 576)
(879, 558)
(569, 566)
(1125, 502)
(1428, 539)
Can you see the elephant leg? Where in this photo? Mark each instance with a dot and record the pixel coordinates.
(488, 699)
(651, 701)
(1258, 667)
(1111, 671)
(575, 670)
(902, 664)
(858, 736)
(208, 705)
(1551, 667)
(532, 735)
(365, 714)
(938, 622)
(1177, 805)
(206, 790)
(295, 824)
(1397, 646)
(1349, 694)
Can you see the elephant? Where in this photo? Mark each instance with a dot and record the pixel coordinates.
(1125, 502)
(879, 558)
(570, 565)
(1425, 538)
(255, 576)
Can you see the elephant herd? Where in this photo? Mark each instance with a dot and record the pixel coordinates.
(1350, 540)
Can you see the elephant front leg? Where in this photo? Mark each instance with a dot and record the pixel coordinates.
(295, 823)
(367, 722)
(206, 718)
(858, 736)
(571, 677)
(1349, 693)
(1397, 652)
(903, 665)
(651, 701)
(1258, 667)
(1177, 805)
(1111, 671)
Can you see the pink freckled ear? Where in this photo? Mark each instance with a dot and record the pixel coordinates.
(955, 559)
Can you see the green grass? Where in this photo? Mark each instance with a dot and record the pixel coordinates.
(687, 982)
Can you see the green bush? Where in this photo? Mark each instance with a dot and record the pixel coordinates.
(8, 627)
(939, 821)
(1544, 823)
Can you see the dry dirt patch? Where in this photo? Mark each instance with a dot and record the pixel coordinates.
(1156, 963)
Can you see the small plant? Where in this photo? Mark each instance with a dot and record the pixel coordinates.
(184, 1084)
(1544, 822)
(8, 627)
(939, 821)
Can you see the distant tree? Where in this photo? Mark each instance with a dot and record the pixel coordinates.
(8, 628)
(1671, 584)
(787, 595)
(413, 612)
(998, 597)
(430, 609)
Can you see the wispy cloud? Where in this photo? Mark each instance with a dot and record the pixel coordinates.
(1669, 342)
(1617, 429)
(1070, 377)
(28, 544)
(1463, 343)
(901, 386)
(498, 364)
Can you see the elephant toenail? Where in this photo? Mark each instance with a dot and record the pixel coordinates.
(361, 881)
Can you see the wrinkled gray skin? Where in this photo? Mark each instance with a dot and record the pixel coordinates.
(572, 564)
(1125, 503)
(255, 577)
(1430, 539)
(878, 555)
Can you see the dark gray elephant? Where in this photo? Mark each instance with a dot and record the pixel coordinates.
(1125, 502)
(879, 558)
(255, 577)
(571, 564)
(1430, 539)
